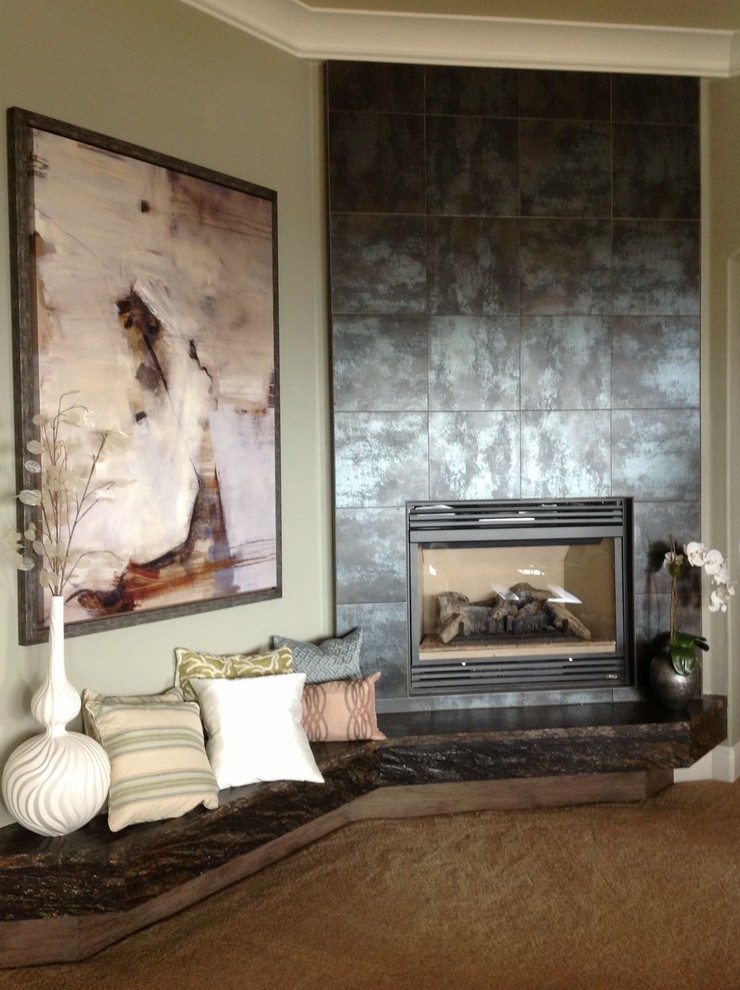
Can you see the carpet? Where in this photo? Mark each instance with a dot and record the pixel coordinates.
(605, 896)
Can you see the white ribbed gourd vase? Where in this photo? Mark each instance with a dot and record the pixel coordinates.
(57, 781)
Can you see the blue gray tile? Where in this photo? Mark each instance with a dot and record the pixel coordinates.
(655, 99)
(380, 459)
(474, 455)
(483, 92)
(565, 454)
(656, 171)
(565, 362)
(651, 632)
(565, 266)
(460, 150)
(565, 168)
(473, 363)
(655, 523)
(380, 363)
(564, 94)
(370, 555)
(656, 453)
(655, 362)
(384, 643)
(393, 87)
(656, 266)
(378, 264)
(473, 266)
(376, 163)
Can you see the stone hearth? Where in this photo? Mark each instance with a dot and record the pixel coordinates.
(63, 899)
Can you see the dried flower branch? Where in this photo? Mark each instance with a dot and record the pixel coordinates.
(68, 491)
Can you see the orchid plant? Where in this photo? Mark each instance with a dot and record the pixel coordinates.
(683, 646)
(68, 490)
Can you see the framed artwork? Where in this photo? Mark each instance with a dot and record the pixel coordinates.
(145, 302)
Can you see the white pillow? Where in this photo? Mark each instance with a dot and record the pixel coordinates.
(254, 728)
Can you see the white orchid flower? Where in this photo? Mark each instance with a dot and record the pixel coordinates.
(722, 574)
(696, 553)
(713, 561)
(718, 600)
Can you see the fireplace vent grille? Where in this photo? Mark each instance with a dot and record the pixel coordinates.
(592, 513)
(542, 675)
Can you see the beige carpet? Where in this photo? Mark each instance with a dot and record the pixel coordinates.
(644, 895)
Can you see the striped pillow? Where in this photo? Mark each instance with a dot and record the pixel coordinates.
(212, 666)
(159, 767)
(89, 697)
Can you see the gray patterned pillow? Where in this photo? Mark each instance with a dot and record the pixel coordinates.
(333, 660)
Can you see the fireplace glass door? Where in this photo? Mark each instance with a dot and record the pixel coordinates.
(537, 606)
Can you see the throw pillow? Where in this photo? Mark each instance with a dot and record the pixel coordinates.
(341, 710)
(333, 660)
(254, 729)
(159, 767)
(211, 665)
(173, 694)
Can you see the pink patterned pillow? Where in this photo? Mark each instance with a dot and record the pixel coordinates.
(337, 711)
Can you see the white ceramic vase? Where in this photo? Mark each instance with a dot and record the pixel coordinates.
(55, 782)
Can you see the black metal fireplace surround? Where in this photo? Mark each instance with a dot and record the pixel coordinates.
(519, 595)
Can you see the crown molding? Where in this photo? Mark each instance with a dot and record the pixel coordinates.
(364, 35)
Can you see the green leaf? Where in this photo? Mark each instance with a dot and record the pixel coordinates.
(683, 649)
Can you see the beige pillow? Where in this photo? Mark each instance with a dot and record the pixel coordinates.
(159, 767)
(211, 666)
(171, 695)
(336, 711)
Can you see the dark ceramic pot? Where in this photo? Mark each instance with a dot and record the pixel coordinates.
(671, 689)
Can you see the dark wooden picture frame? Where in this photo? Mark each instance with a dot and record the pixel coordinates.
(147, 288)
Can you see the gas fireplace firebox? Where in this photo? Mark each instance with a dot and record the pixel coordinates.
(520, 595)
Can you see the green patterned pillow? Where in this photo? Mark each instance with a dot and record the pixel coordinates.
(333, 660)
(159, 767)
(210, 666)
(171, 695)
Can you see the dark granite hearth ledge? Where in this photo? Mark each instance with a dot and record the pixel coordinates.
(64, 898)
(622, 735)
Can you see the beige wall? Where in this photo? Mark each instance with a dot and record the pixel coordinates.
(721, 370)
(168, 78)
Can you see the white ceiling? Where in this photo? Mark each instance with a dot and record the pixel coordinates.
(686, 37)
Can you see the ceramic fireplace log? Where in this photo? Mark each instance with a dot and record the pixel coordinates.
(527, 611)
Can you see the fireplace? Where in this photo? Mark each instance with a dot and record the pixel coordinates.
(519, 595)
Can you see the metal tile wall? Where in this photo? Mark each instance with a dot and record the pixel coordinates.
(515, 313)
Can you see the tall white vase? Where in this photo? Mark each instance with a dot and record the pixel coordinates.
(55, 782)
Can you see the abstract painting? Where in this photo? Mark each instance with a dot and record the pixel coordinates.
(146, 287)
